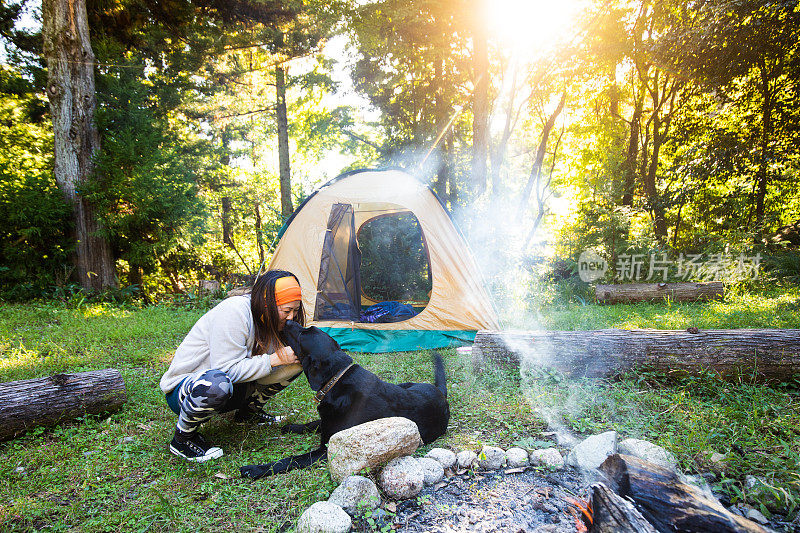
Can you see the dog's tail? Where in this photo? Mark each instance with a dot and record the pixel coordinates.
(440, 379)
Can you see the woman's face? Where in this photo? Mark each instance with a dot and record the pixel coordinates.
(287, 312)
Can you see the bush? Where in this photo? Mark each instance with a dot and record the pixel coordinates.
(34, 217)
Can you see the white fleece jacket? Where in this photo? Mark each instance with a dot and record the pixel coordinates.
(223, 338)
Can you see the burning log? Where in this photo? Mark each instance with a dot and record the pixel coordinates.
(612, 513)
(764, 354)
(648, 292)
(30, 403)
(666, 502)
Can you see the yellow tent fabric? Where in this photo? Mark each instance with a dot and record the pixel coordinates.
(458, 299)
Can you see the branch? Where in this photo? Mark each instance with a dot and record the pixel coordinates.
(255, 111)
(537, 165)
(359, 138)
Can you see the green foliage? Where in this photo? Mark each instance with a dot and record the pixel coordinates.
(783, 268)
(420, 87)
(34, 217)
(598, 225)
(394, 259)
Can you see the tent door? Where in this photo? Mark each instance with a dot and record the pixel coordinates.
(339, 285)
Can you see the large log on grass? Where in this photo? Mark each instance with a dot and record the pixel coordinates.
(649, 292)
(761, 354)
(47, 401)
(666, 502)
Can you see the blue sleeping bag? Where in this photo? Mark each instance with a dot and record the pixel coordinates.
(387, 312)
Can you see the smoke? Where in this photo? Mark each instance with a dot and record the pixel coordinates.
(515, 280)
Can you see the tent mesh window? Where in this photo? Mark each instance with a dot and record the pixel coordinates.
(394, 260)
(339, 285)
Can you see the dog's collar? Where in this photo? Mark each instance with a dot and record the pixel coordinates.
(329, 385)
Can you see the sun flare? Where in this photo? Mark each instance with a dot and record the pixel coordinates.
(530, 27)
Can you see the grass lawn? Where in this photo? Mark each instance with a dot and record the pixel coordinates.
(101, 474)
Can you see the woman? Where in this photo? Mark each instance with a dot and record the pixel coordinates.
(233, 358)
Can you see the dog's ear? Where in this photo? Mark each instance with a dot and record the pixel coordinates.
(316, 370)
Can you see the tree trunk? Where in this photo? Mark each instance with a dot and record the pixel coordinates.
(452, 183)
(654, 199)
(283, 143)
(480, 106)
(649, 292)
(499, 153)
(677, 223)
(632, 154)
(540, 153)
(666, 502)
(764, 355)
(227, 232)
(440, 123)
(259, 235)
(762, 174)
(71, 92)
(47, 401)
(542, 196)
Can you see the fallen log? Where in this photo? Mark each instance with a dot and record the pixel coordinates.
(31, 403)
(612, 513)
(649, 292)
(762, 354)
(666, 502)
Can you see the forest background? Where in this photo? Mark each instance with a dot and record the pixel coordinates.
(659, 130)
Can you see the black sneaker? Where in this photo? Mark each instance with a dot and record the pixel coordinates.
(258, 418)
(193, 447)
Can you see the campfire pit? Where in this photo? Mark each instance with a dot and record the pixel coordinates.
(511, 500)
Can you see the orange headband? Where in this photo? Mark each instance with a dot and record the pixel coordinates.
(286, 290)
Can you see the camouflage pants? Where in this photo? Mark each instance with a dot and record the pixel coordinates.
(212, 392)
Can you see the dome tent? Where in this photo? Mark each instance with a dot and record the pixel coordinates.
(372, 236)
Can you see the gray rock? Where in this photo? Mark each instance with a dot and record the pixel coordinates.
(649, 452)
(491, 458)
(356, 492)
(517, 457)
(547, 457)
(466, 459)
(126, 440)
(402, 478)
(447, 458)
(739, 509)
(432, 469)
(756, 516)
(20, 470)
(371, 444)
(592, 451)
(324, 517)
(714, 461)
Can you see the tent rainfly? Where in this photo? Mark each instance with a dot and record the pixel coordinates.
(382, 266)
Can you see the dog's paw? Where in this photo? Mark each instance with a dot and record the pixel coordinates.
(252, 471)
(293, 428)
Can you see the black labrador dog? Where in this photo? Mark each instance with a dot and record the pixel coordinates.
(349, 395)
